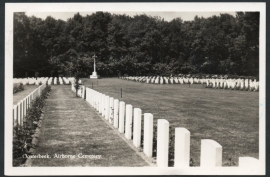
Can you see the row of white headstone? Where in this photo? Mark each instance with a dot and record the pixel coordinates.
(30, 81)
(43, 80)
(20, 109)
(62, 81)
(234, 84)
(120, 115)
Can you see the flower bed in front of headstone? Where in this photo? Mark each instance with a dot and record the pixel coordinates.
(25, 136)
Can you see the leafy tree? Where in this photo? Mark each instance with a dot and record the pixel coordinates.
(139, 45)
(73, 62)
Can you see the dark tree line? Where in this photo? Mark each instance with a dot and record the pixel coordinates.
(139, 45)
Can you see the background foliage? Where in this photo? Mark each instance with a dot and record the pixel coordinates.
(139, 45)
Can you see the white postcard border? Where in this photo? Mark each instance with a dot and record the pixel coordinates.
(80, 7)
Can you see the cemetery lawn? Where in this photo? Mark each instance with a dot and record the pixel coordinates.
(229, 117)
(72, 127)
(22, 94)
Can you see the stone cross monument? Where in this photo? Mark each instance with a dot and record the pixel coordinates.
(94, 74)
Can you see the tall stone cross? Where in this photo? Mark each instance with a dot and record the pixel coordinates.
(94, 62)
(94, 74)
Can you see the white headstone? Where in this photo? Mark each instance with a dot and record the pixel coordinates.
(148, 134)
(92, 97)
(24, 106)
(116, 113)
(162, 143)
(15, 115)
(107, 109)
(95, 99)
(137, 127)
(21, 112)
(121, 117)
(87, 95)
(104, 105)
(182, 147)
(248, 162)
(128, 121)
(100, 103)
(211, 153)
(111, 110)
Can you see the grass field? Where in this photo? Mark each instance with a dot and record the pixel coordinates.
(229, 117)
(22, 94)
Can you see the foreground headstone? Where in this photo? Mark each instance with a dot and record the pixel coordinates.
(27, 102)
(128, 121)
(107, 111)
(248, 162)
(15, 115)
(87, 94)
(148, 134)
(24, 106)
(111, 110)
(116, 113)
(83, 92)
(211, 153)
(182, 147)
(100, 103)
(97, 100)
(19, 113)
(121, 116)
(162, 143)
(93, 97)
(137, 127)
(104, 105)
(90, 96)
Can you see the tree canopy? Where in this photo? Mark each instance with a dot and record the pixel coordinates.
(139, 45)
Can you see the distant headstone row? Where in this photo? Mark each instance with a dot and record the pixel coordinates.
(43, 80)
(233, 84)
(30, 81)
(59, 81)
(129, 122)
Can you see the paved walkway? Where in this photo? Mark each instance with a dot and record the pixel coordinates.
(71, 129)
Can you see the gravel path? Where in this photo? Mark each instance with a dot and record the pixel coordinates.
(71, 129)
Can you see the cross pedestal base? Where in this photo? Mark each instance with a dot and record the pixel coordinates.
(94, 76)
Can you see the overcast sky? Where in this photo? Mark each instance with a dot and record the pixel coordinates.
(168, 16)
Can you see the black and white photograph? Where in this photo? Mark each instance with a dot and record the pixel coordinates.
(135, 88)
